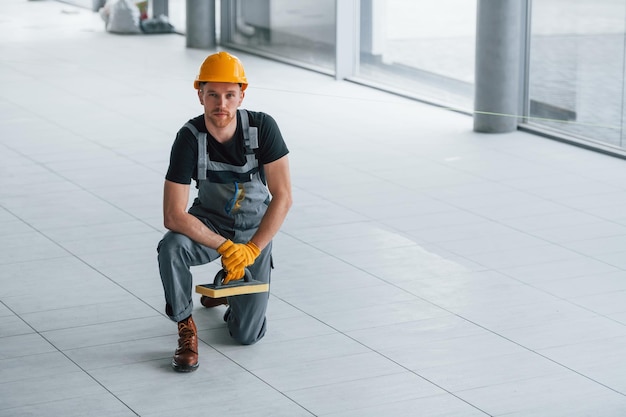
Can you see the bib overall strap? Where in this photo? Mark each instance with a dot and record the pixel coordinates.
(202, 149)
(250, 133)
(251, 142)
(250, 139)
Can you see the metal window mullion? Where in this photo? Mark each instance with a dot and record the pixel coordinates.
(227, 14)
(346, 28)
(525, 62)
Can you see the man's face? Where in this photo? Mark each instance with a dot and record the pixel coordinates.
(220, 101)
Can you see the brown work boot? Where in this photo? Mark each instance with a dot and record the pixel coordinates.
(186, 355)
(209, 302)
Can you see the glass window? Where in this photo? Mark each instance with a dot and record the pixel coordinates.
(176, 14)
(302, 31)
(576, 70)
(422, 48)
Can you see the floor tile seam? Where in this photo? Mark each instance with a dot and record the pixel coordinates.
(30, 355)
(539, 354)
(538, 377)
(384, 226)
(530, 285)
(555, 201)
(562, 321)
(42, 333)
(583, 343)
(318, 360)
(32, 403)
(367, 272)
(288, 393)
(63, 400)
(8, 336)
(590, 292)
(158, 315)
(454, 314)
(253, 373)
(530, 379)
(111, 204)
(500, 355)
(98, 368)
(80, 135)
(80, 369)
(575, 241)
(343, 261)
(26, 378)
(596, 256)
(411, 401)
(569, 300)
(87, 240)
(500, 222)
(573, 171)
(538, 237)
(18, 218)
(474, 323)
(373, 350)
(536, 351)
(534, 234)
(39, 258)
(112, 343)
(582, 211)
(88, 191)
(86, 263)
(406, 371)
(531, 233)
(519, 189)
(81, 251)
(566, 369)
(33, 333)
(207, 344)
(351, 379)
(597, 295)
(24, 316)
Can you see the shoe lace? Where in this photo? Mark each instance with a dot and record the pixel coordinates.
(186, 335)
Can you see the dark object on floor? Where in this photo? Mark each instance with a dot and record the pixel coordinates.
(156, 25)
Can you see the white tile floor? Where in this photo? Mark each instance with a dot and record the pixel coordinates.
(425, 270)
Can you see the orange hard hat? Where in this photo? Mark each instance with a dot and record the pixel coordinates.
(221, 67)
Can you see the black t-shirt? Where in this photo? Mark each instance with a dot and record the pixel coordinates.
(184, 155)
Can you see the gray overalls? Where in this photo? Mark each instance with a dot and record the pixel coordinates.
(231, 201)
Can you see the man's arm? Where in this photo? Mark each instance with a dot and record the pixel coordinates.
(176, 218)
(279, 185)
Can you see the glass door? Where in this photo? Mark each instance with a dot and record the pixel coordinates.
(301, 32)
(423, 49)
(576, 69)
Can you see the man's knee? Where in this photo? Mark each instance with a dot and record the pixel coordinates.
(246, 319)
(170, 246)
(247, 335)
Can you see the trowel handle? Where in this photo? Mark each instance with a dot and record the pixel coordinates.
(221, 274)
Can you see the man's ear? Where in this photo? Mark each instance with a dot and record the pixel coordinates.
(200, 95)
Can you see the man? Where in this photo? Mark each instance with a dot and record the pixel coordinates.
(244, 194)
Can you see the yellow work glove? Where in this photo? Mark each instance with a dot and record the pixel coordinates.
(235, 257)
(234, 275)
